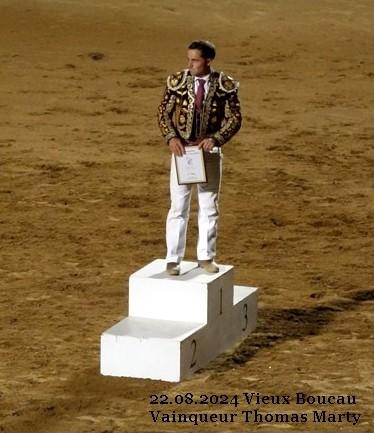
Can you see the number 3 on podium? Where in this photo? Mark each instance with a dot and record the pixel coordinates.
(245, 311)
(194, 348)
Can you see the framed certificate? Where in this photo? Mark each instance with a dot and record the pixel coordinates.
(191, 166)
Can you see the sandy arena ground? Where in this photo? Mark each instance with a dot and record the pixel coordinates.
(84, 196)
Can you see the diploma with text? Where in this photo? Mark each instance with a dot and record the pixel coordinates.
(191, 166)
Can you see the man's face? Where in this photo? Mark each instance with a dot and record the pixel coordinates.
(197, 65)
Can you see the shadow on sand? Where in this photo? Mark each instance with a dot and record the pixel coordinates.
(86, 390)
(278, 325)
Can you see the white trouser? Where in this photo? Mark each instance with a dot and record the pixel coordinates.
(177, 219)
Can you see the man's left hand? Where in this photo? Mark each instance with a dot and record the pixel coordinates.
(207, 144)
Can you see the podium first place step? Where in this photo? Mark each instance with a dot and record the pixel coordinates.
(193, 296)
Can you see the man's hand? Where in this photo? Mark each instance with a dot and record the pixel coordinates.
(207, 144)
(176, 146)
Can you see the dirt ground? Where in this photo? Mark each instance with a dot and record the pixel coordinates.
(84, 197)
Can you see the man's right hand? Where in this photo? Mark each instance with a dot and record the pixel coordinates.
(176, 146)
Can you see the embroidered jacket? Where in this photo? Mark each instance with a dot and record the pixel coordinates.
(220, 117)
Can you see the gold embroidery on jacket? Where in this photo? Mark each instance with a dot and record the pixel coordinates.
(220, 117)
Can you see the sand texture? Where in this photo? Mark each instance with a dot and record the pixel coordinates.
(84, 197)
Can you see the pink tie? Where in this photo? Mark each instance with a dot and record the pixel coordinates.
(199, 98)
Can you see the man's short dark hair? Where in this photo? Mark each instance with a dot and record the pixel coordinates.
(207, 49)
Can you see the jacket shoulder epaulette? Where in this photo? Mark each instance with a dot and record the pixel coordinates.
(227, 84)
(176, 81)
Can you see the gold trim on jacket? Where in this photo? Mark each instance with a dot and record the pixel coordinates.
(220, 118)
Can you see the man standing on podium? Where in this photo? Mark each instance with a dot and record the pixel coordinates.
(200, 107)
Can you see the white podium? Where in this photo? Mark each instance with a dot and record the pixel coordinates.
(176, 325)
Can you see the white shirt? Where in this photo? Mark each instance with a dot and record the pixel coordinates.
(206, 85)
